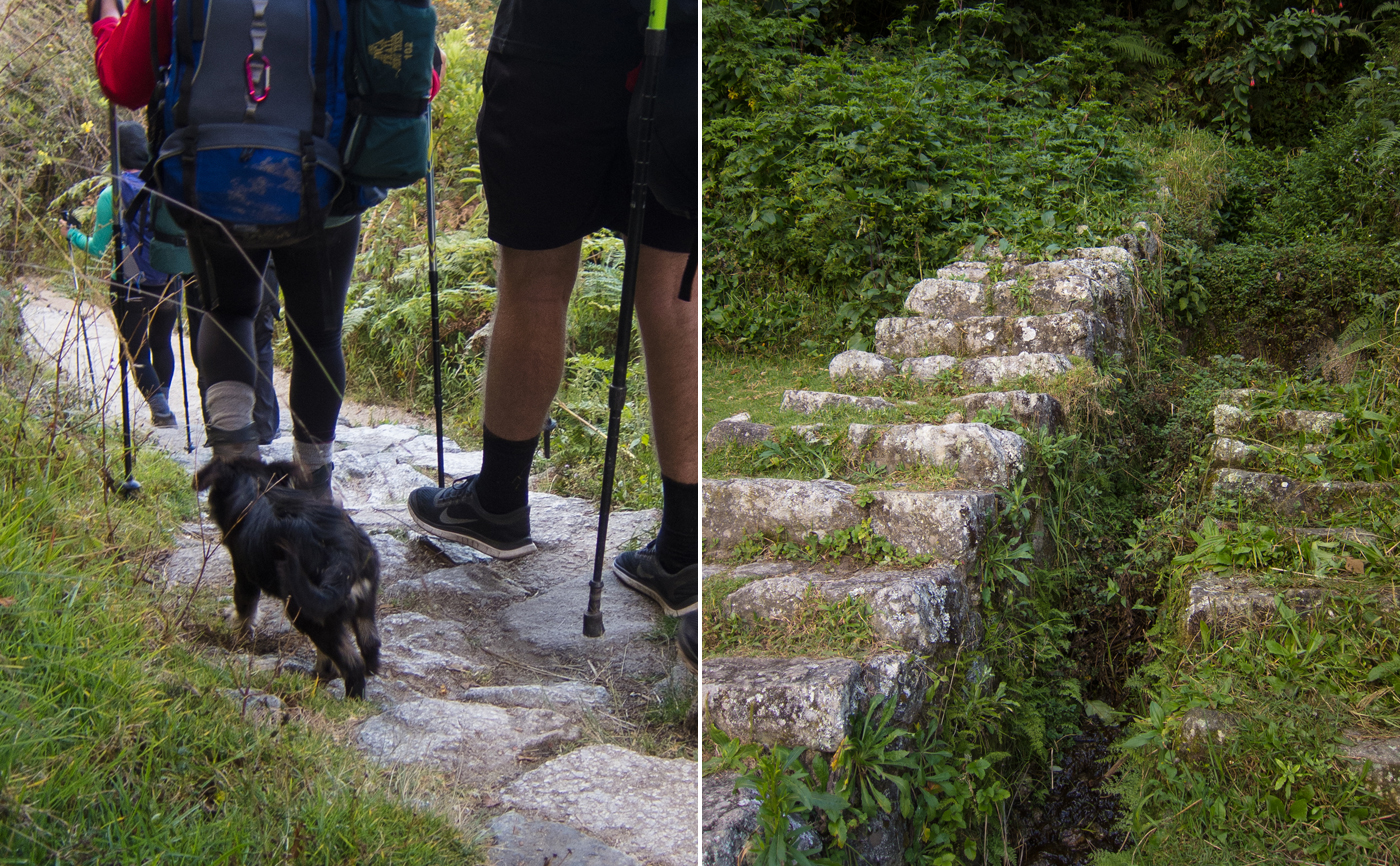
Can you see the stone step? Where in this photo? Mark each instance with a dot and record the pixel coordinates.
(1203, 729)
(1238, 603)
(923, 610)
(1041, 288)
(1322, 533)
(1228, 453)
(810, 402)
(989, 370)
(738, 429)
(1384, 755)
(805, 702)
(1029, 410)
(948, 524)
(979, 453)
(1072, 333)
(1283, 495)
(1230, 420)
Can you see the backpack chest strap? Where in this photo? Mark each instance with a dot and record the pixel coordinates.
(257, 66)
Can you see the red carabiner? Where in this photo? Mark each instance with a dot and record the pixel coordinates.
(266, 77)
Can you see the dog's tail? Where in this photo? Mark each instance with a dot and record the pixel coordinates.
(314, 595)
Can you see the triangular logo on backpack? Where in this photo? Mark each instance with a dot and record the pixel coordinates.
(392, 51)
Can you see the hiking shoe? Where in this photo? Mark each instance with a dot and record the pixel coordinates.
(688, 640)
(455, 513)
(320, 484)
(641, 570)
(161, 416)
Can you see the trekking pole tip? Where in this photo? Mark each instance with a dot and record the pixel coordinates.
(593, 618)
(129, 488)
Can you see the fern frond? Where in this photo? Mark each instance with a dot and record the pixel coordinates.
(1140, 49)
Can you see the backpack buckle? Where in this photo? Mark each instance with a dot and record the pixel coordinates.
(259, 86)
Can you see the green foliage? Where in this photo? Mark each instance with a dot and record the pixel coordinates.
(1275, 302)
(837, 178)
(1275, 779)
(119, 746)
(860, 543)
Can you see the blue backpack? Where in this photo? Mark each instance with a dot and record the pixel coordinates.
(265, 159)
(137, 235)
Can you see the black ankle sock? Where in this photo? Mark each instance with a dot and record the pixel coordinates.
(504, 482)
(680, 531)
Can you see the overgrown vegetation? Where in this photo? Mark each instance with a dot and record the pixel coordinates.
(855, 148)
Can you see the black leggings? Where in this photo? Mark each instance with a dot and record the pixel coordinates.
(145, 317)
(315, 276)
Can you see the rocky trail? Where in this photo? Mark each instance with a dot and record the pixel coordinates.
(979, 324)
(486, 678)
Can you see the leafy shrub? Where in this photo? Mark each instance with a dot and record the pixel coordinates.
(836, 180)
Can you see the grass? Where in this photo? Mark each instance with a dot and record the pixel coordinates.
(119, 745)
(816, 627)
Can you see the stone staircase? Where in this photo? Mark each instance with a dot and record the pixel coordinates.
(978, 324)
(1230, 601)
(486, 680)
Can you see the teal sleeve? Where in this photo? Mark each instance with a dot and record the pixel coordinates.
(102, 228)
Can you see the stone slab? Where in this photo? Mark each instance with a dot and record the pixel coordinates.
(995, 369)
(922, 610)
(979, 453)
(523, 842)
(860, 366)
(1289, 496)
(1229, 420)
(1030, 410)
(948, 524)
(450, 735)
(809, 402)
(740, 507)
(643, 806)
(1384, 755)
(928, 369)
(729, 819)
(1071, 333)
(789, 702)
(1233, 604)
(737, 429)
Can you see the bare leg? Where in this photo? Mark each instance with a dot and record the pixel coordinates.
(671, 341)
(526, 360)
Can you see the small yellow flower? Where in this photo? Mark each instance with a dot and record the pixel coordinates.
(87, 126)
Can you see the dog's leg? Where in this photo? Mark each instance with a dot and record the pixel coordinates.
(325, 669)
(335, 644)
(245, 606)
(366, 632)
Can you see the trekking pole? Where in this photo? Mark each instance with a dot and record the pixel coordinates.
(433, 293)
(655, 46)
(130, 486)
(184, 377)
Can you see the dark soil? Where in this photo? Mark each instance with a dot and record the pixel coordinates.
(1078, 816)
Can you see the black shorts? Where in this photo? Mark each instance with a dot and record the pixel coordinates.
(555, 163)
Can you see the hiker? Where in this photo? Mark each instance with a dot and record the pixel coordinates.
(267, 415)
(148, 301)
(556, 166)
(314, 263)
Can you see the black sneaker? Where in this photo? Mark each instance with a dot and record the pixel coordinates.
(641, 570)
(455, 513)
(688, 640)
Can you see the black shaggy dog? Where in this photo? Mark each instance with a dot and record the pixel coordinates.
(291, 545)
